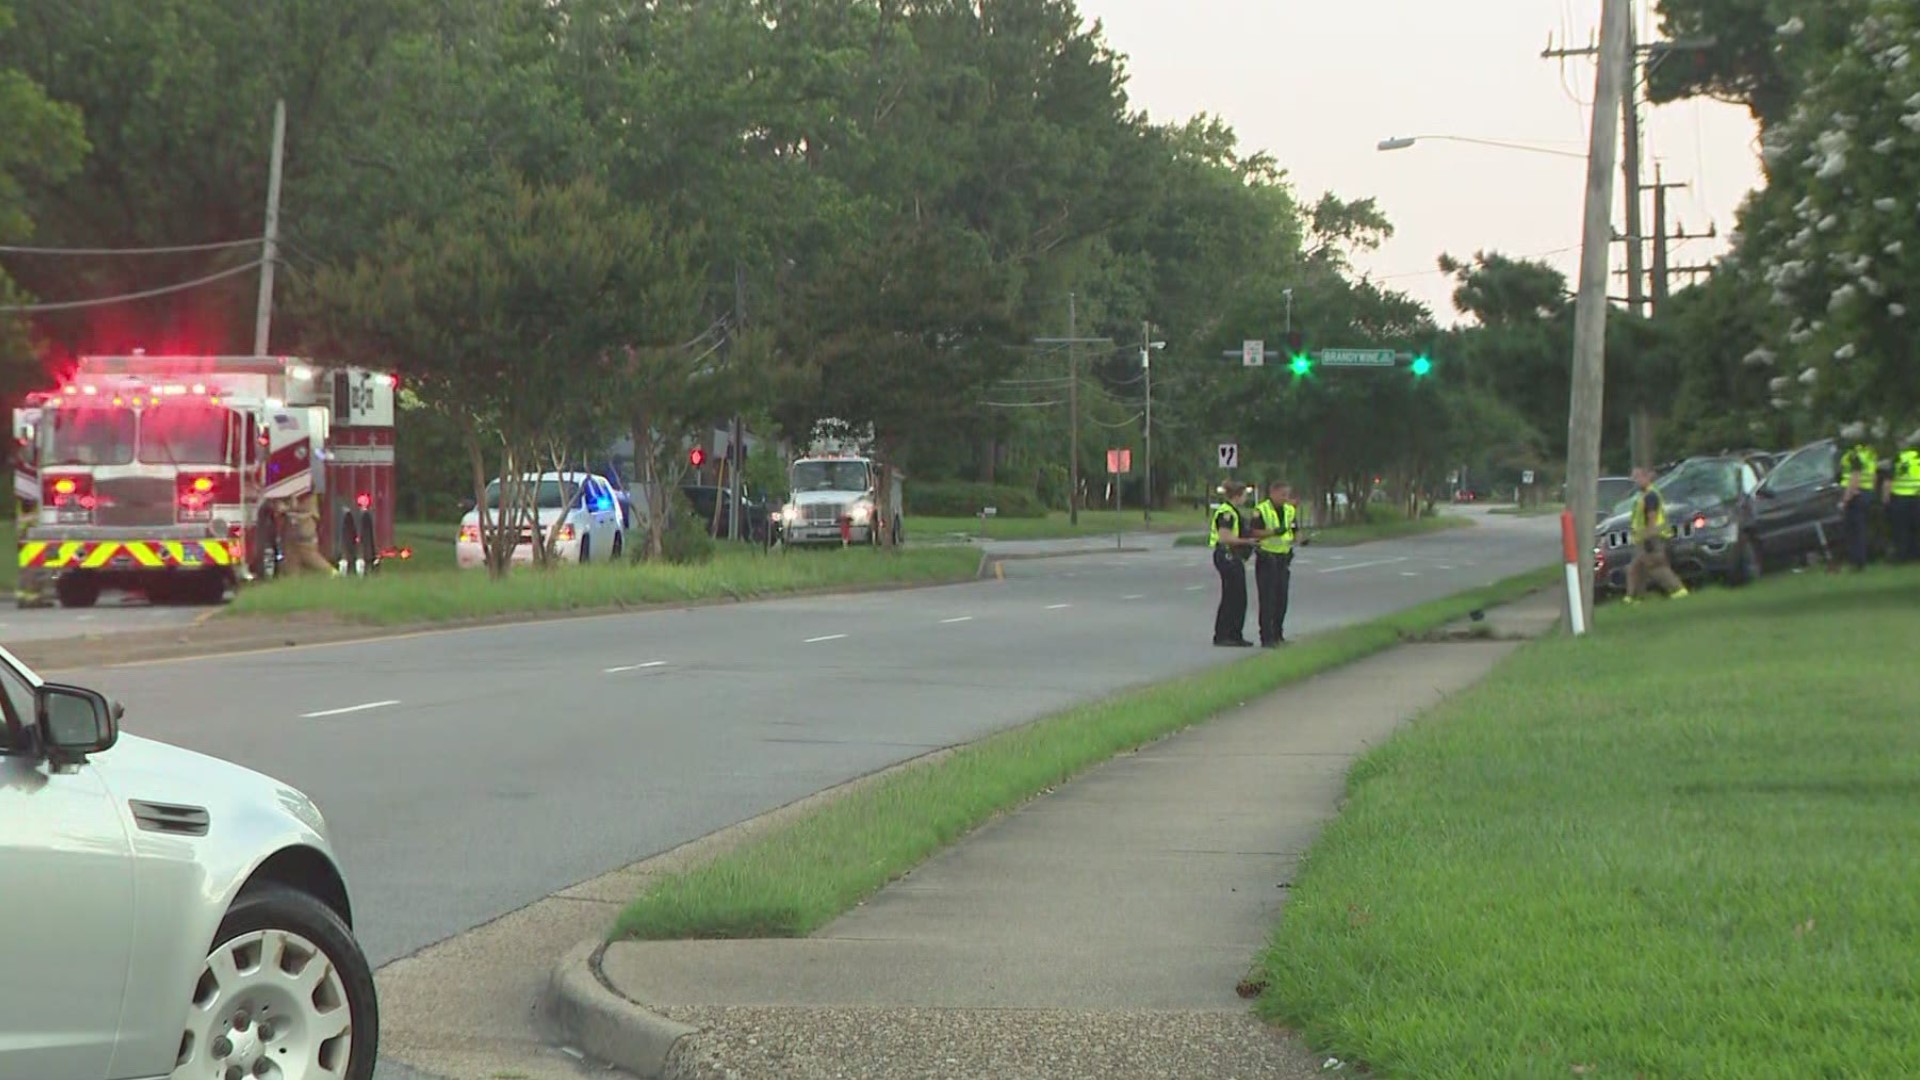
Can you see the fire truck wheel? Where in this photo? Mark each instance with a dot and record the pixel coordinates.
(369, 547)
(264, 560)
(77, 590)
(347, 545)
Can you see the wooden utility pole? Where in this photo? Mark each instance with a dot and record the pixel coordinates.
(1073, 412)
(1590, 307)
(270, 254)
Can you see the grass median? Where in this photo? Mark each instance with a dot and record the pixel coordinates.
(1386, 525)
(428, 594)
(1683, 846)
(793, 880)
(1055, 526)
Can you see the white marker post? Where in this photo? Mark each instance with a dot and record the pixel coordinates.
(1570, 552)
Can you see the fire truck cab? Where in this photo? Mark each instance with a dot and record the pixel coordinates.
(166, 475)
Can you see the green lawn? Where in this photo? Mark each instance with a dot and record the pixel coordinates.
(431, 591)
(1686, 846)
(792, 880)
(1386, 525)
(1054, 526)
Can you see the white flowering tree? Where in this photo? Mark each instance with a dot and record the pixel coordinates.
(1835, 240)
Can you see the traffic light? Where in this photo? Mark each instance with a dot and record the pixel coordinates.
(1301, 365)
(1422, 366)
(696, 457)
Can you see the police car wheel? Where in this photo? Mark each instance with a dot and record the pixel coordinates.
(285, 991)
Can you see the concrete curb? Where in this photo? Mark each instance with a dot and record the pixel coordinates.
(605, 1025)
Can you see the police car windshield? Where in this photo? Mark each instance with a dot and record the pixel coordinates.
(552, 494)
(830, 476)
(189, 435)
(88, 436)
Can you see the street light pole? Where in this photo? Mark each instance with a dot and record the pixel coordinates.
(1590, 306)
(1147, 345)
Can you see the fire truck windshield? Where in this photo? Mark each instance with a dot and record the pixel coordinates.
(189, 435)
(87, 437)
(830, 476)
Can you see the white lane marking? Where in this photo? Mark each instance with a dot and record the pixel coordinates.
(1361, 565)
(1443, 566)
(963, 618)
(1409, 573)
(348, 709)
(1195, 588)
(1057, 607)
(823, 637)
(1135, 596)
(636, 667)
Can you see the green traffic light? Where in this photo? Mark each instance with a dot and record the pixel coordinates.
(1301, 365)
(1421, 366)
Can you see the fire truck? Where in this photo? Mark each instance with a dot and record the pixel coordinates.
(163, 475)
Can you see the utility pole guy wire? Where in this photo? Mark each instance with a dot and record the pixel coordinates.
(1590, 307)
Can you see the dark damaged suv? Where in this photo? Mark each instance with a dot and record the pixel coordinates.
(1710, 506)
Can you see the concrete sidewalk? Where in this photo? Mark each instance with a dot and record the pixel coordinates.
(1100, 931)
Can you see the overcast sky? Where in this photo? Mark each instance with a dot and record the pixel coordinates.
(1318, 83)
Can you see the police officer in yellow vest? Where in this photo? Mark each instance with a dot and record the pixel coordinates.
(1903, 501)
(1273, 561)
(1859, 473)
(1229, 536)
(1650, 532)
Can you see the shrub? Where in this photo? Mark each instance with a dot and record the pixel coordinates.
(959, 498)
(687, 540)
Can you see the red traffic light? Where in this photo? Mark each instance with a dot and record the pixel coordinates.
(696, 457)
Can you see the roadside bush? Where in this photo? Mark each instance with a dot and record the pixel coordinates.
(959, 498)
(686, 541)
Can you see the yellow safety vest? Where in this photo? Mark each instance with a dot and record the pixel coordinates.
(1642, 528)
(1272, 517)
(1906, 474)
(1860, 463)
(1213, 522)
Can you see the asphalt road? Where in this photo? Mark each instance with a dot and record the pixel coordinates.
(467, 774)
(116, 613)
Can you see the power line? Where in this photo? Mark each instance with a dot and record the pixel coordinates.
(179, 249)
(1020, 404)
(70, 305)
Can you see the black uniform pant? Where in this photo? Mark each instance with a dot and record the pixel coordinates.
(1274, 574)
(1230, 621)
(1903, 516)
(1856, 519)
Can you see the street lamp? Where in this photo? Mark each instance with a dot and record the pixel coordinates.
(1406, 141)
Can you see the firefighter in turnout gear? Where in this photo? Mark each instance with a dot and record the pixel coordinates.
(1903, 501)
(1273, 562)
(1650, 533)
(1229, 537)
(1859, 475)
(302, 530)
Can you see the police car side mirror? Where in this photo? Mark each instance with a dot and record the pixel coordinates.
(75, 722)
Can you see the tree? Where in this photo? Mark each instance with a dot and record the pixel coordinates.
(44, 144)
(512, 313)
(1835, 240)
